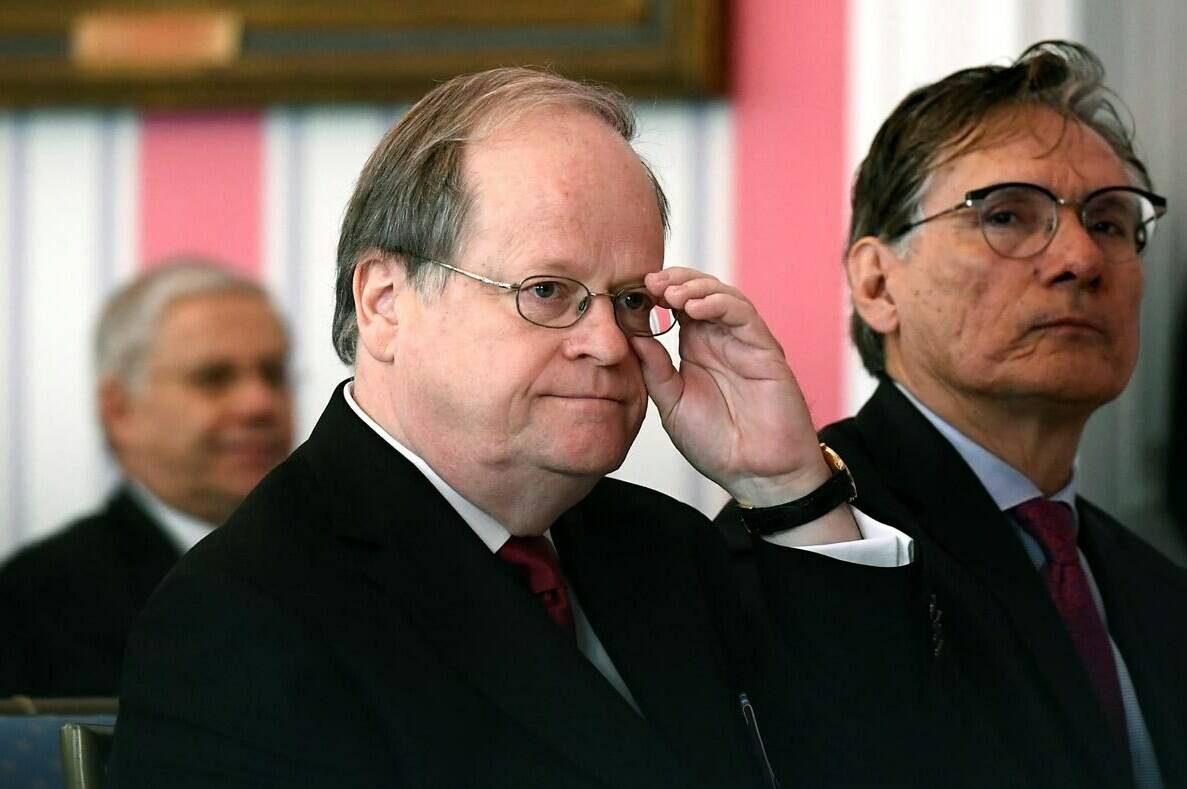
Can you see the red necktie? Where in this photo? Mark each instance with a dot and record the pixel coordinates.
(1051, 523)
(542, 570)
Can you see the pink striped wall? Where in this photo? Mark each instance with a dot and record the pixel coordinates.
(201, 186)
(789, 115)
(757, 182)
(100, 194)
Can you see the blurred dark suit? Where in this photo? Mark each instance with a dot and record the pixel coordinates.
(68, 602)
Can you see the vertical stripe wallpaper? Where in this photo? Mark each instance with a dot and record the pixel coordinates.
(200, 186)
(757, 183)
(88, 198)
(789, 120)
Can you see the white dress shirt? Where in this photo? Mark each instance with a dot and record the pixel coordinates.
(1009, 487)
(183, 530)
(888, 547)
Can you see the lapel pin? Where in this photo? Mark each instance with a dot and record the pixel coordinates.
(936, 618)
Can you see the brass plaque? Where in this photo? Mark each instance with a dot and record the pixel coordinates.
(155, 40)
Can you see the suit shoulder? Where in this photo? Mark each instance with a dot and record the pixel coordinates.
(1136, 549)
(632, 501)
(275, 527)
(81, 542)
(843, 436)
(637, 513)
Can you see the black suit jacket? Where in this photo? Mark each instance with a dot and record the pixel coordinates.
(67, 603)
(1176, 445)
(346, 628)
(1002, 676)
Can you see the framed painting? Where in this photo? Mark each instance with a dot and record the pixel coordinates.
(202, 53)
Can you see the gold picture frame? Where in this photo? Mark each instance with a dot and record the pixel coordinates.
(254, 52)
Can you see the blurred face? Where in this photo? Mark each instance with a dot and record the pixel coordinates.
(213, 413)
(1057, 328)
(559, 193)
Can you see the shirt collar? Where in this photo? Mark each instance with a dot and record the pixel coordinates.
(182, 528)
(1008, 486)
(491, 532)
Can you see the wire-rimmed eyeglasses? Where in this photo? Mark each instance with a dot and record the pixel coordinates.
(1018, 220)
(556, 302)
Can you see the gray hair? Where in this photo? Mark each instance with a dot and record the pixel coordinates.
(131, 317)
(965, 110)
(411, 200)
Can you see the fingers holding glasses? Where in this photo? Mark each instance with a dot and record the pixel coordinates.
(704, 298)
(676, 286)
(733, 407)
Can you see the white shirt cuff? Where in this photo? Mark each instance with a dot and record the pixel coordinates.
(880, 545)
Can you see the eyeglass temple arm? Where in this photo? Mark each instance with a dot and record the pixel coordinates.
(476, 277)
(965, 203)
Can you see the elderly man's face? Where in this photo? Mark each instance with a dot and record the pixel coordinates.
(556, 192)
(213, 413)
(1059, 328)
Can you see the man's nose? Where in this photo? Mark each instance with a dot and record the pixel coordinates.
(597, 335)
(1073, 254)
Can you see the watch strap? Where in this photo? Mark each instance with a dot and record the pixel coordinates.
(835, 491)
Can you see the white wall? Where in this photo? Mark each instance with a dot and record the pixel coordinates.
(69, 218)
(1123, 456)
(69, 212)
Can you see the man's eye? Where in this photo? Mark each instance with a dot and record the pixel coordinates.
(1113, 221)
(1107, 227)
(212, 379)
(636, 301)
(1000, 218)
(548, 290)
(1016, 209)
(275, 373)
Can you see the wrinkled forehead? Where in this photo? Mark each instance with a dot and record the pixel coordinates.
(1029, 137)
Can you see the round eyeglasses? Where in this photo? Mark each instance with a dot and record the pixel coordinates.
(556, 302)
(1018, 220)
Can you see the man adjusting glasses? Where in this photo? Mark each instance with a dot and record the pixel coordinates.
(556, 302)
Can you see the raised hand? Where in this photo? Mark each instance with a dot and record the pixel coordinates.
(733, 408)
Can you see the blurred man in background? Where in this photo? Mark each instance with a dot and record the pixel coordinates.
(995, 264)
(194, 400)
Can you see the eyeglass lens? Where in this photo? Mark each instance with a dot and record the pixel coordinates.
(557, 302)
(1019, 221)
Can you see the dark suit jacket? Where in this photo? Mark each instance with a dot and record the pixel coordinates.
(1176, 445)
(1003, 677)
(346, 628)
(67, 603)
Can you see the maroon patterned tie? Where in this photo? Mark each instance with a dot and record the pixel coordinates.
(1051, 523)
(542, 570)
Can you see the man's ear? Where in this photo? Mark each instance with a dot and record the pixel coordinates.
(869, 264)
(378, 279)
(115, 412)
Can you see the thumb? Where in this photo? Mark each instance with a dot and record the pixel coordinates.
(664, 384)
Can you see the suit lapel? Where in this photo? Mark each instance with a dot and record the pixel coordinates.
(1136, 622)
(649, 610)
(465, 602)
(956, 512)
(149, 553)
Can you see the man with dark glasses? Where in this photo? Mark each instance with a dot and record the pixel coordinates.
(995, 264)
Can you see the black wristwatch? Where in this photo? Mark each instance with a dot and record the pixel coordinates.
(838, 489)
